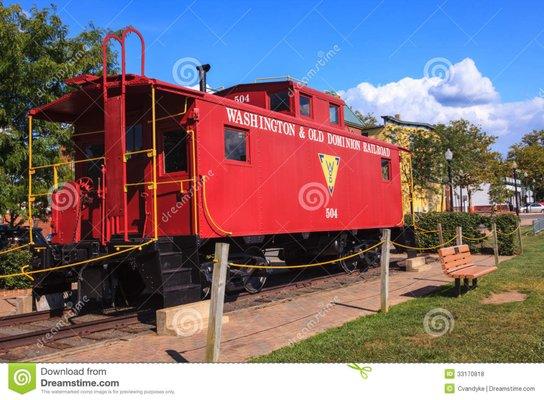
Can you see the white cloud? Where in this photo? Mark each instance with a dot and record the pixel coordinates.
(457, 91)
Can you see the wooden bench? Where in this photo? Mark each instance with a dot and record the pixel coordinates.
(457, 262)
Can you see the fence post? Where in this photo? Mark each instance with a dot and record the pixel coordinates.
(440, 234)
(519, 238)
(495, 243)
(459, 236)
(386, 237)
(219, 278)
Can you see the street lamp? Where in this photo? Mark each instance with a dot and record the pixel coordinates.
(526, 191)
(449, 156)
(515, 167)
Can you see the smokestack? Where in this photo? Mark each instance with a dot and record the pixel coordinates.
(202, 71)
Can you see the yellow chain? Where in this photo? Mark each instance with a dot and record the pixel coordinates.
(76, 264)
(476, 239)
(422, 248)
(14, 249)
(306, 265)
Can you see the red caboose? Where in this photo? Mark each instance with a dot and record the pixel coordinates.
(173, 170)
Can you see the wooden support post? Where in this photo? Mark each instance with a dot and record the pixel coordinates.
(520, 241)
(458, 236)
(219, 279)
(495, 243)
(440, 234)
(386, 237)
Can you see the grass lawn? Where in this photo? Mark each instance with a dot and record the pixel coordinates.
(511, 332)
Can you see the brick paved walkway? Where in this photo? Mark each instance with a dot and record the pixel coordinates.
(258, 331)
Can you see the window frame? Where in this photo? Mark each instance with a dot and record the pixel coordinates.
(247, 162)
(337, 107)
(309, 97)
(388, 161)
(289, 111)
(127, 130)
(162, 161)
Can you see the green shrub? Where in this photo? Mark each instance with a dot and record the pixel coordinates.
(472, 226)
(11, 263)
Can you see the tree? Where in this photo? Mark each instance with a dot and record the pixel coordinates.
(368, 120)
(529, 155)
(474, 162)
(37, 56)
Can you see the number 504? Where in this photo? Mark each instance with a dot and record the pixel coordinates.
(331, 213)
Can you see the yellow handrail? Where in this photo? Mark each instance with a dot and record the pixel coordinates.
(180, 181)
(154, 145)
(30, 172)
(173, 115)
(207, 211)
(149, 152)
(54, 165)
(194, 175)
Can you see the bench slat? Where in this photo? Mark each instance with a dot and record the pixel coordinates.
(474, 271)
(457, 262)
(453, 250)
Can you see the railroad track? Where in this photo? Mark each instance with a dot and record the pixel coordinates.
(19, 319)
(64, 331)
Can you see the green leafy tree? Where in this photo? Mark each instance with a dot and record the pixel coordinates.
(474, 162)
(529, 155)
(37, 55)
(368, 120)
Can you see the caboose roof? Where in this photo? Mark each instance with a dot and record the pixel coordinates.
(286, 83)
(87, 96)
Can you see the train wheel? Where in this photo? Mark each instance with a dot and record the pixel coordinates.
(352, 264)
(255, 279)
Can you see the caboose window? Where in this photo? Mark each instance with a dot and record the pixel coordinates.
(333, 113)
(386, 169)
(305, 103)
(134, 137)
(175, 151)
(279, 101)
(235, 145)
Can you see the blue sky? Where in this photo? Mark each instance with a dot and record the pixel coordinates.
(427, 60)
